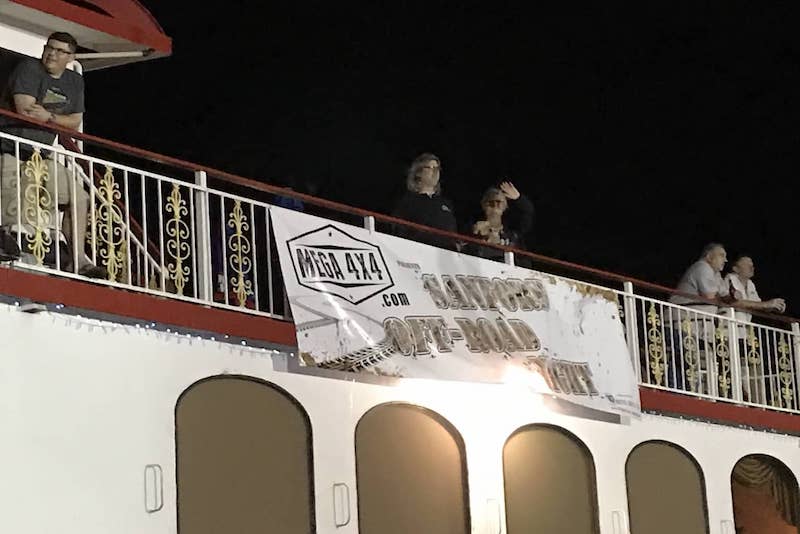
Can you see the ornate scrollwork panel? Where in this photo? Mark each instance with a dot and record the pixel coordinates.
(178, 247)
(37, 211)
(690, 354)
(753, 346)
(109, 226)
(724, 357)
(239, 259)
(785, 373)
(655, 345)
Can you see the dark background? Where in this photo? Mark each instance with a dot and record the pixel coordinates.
(640, 133)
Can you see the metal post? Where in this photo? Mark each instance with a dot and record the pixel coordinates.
(369, 223)
(631, 328)
(202, 227)
(509, 258)
(736, 364)
(796, 348)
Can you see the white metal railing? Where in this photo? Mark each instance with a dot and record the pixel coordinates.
(713, 355)
(150, 232)
(30, 211)
(175, 236)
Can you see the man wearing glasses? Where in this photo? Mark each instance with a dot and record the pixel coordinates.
(45, 91)
(422, 203)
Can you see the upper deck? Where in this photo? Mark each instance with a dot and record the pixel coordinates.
(191, 247)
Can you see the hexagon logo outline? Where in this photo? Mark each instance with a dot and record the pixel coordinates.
(345, 269)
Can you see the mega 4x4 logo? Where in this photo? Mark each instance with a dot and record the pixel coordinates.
(332, 261)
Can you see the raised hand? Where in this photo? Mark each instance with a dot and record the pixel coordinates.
(509, 190)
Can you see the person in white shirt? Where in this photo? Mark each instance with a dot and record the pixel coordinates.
(740, 286)
(704, 280)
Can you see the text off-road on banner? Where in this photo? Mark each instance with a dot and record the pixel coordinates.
(365, 302)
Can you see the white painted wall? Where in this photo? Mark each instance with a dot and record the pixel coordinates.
(84, 406)
(21, 41)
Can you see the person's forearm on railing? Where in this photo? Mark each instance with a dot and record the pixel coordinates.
(26, 105)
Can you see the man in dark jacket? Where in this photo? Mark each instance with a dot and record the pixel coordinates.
(422, 203)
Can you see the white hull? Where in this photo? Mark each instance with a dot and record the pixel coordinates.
(87, 405)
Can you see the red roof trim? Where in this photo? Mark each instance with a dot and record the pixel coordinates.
(86, 296)
(129, 20)
(720, 412)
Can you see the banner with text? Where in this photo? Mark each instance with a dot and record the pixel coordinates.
(366, 302)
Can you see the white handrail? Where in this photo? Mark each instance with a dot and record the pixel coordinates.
(204, 232)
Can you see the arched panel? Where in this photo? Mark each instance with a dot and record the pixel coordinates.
(765, 496)
(666, 490)
(243, 454)
(549, 483)
(411, 473)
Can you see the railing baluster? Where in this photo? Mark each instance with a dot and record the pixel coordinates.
(205, 272)
(270, 285)
(93, 212)
(74, 183)
(733, 352)
(161, 251)
(631, 330)
(668, 366)
(687, 351)
(224, 234)
(253, 247)
(54, 207)
(646, 340)
(193, 246)
(129, 249)
(705, 350)
(770, 367)
(776, 367)
(749, 381)
(139, 278)
(19, 195)
(675, 333)
(786, 371)
(145, 237)
(795, 345)
(369, 223)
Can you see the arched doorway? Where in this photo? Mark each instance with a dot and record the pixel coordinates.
(549, 482)
(243, 455)
(411, 473)
(666, 490)
(765, 496)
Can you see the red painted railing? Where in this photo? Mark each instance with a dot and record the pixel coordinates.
(255, 185)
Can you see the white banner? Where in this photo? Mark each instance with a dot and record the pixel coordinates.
(366, 302)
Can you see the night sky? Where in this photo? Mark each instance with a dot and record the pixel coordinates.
(639, 133)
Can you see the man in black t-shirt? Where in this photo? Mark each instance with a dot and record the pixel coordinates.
(46, 91)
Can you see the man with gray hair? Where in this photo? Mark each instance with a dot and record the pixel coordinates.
(688, 329)
(703, 279)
